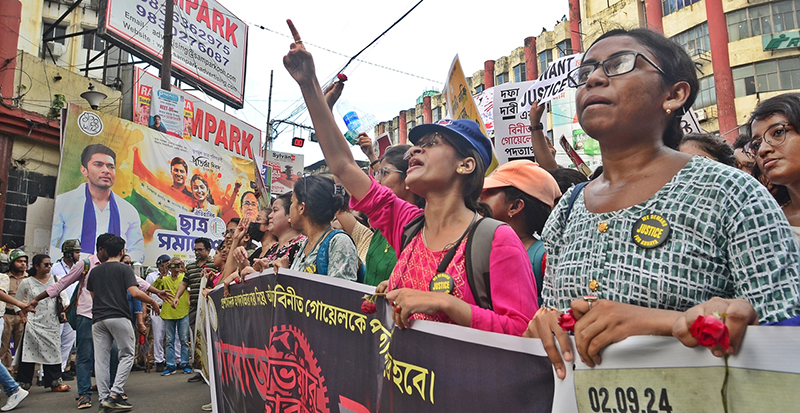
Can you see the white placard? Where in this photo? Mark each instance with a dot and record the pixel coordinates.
(551, 83)
(512, 128)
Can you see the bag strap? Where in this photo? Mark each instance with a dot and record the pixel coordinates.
(86, 265)
(574, 196)
(478, 253)
(410, 230)
(536, 256)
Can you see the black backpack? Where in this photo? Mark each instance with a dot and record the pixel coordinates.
(477, 253)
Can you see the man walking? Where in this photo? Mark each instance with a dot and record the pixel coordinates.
(71, 250)
(156, 322)
(17, 271)
(13, 390)
(109, 285)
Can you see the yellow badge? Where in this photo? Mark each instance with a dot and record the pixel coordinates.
(594, 285)
(650, 231)
(603, 227)
(442, 283)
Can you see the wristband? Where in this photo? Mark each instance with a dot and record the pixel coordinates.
(372, 164)
(540, 126)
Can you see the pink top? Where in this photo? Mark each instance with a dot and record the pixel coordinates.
(513, 286)
(85, 297)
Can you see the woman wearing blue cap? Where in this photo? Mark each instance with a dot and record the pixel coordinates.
(446, 167)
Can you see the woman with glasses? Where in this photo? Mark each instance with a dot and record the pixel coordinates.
(41, 342)
(775, 145)
(446, 167)
(661, 237)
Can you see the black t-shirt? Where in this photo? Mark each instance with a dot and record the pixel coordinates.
(109, 282)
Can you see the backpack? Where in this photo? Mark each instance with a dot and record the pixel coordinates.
(536, 255)
(322, 256)
(72, 309)
(476, 254)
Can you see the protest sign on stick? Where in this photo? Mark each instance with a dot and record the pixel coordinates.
(512, 134)
(551, 83)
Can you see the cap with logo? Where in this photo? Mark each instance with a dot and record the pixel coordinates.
(162, 259)
(16, 254)
(465, 132)
(71, 245)
(528, 177)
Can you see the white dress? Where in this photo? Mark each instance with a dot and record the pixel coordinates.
(42, 340)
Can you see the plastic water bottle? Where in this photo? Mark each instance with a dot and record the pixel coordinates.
(356, 122)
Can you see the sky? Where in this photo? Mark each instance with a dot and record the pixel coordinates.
(423, 45)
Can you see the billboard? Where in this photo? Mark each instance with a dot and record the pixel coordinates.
(286, 169)
(157, 191)
(200, 119)
(209, 43)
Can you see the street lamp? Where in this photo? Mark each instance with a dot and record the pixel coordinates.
(93, 96)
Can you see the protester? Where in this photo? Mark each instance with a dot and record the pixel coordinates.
(14, 392)
(709, 145)
(522, 194)
(743, 161)
(83, 324)
(71, 249)
(567, 178)
(176, 316)
(660, 237)
(774, 126)
(17, 271)
(156, 322)
(259, 230)
(446, 167)
(137, 318)
(289, 240)
(42, 338)
(109, 284)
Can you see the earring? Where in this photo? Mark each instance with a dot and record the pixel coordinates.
(407, 188)
(668, 111)
(460, 170)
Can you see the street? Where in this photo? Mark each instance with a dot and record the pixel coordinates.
(146, 392)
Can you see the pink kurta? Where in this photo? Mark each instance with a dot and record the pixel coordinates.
(513, 286)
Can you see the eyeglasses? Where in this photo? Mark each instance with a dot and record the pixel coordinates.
(129, 263)
(230, 231)
(774, 136)
(47, 264)
(613, 66)
(424, 145)
(250, 204)
(196, 250)
(381, 173)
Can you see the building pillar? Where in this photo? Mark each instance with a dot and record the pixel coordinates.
(575, 25)
(488, 74)
(10, 20)
(531, 61)
(381, 128)
(427, 112)
(721, 65)
(652, 9)
(402, 128)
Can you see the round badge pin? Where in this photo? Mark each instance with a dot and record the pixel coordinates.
(442, 283)
(650, 231)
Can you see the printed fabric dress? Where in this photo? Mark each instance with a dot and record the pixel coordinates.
(42, 340)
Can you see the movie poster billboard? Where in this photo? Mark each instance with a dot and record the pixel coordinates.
(201, 120)
(157, 191)
(512, 128)
(209, 43)
(286, 169)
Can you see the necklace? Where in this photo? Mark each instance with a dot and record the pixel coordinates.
(454, 243)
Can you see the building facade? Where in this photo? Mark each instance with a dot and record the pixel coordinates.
(745, 51)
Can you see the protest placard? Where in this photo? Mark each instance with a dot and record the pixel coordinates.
(551, 83)
(512, 135)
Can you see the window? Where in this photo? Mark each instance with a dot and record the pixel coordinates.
(764, 19)
(767, 76)
(545, 58)
(59, 31)
(519, 73)
(502, 78)
(437, 113)
(479, 89)
(420, 120)
(410, 125)
(671, 6)
(565, 48)
(695, 40)
(92, 41)
(706, 95)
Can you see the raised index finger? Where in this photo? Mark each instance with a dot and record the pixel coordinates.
(295, 35)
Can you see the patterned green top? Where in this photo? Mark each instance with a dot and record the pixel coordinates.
(729, 239)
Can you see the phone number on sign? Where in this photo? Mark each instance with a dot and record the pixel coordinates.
(627, 400)
(206, 46)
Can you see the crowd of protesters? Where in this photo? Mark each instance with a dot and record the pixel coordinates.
(719, 222)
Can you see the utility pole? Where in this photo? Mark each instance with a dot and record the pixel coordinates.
(166, 58)
(268, 144)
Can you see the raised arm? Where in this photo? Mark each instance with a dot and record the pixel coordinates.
(540, 146)
(337, 153)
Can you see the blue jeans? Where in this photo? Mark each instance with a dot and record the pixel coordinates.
(85, 356)
(182, 326)
(9, 385)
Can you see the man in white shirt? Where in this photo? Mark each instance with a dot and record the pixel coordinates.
(93, 209)
(71, 249)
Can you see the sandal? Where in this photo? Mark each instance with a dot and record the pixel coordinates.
(61, 388)
(123, 396)
(84, 402)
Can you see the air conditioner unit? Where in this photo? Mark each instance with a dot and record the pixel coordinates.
(701, 114)
(57, 49)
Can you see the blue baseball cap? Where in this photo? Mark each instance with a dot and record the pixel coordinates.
(466, 129)
(162, 259)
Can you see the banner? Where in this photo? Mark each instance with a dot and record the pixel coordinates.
(201, 120)
(209, 43)
(461, 105)
(551, 83)
(690, 123)
(167, 113)
(512, 133)
(199, 337)
(286, 169)
(299, 342)
(485, 103)
(158, 192)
